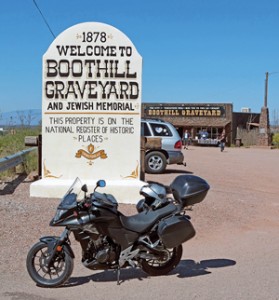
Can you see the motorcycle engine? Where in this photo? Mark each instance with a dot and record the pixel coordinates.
(100, 251)
(105, 254)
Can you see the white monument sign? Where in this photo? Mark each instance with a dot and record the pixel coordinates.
(91, 106)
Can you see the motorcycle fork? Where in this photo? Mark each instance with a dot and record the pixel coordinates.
(55, 247)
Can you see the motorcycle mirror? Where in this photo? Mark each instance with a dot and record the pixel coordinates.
(84, 188)
(101, 183)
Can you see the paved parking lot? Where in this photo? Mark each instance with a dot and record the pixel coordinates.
(234, 254)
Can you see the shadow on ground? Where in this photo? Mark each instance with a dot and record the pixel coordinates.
(185, 269)
(10, 186)
(174, 171)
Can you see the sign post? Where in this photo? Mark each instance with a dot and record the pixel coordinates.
(91, 105)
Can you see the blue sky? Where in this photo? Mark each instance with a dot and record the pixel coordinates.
(212, 51)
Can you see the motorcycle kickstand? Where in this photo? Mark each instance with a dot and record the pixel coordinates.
(118, 275)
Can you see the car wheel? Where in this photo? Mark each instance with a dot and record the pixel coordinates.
(155, 162)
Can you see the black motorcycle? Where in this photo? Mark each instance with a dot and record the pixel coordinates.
(151, 239)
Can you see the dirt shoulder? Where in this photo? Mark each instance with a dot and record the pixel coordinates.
(233, 256)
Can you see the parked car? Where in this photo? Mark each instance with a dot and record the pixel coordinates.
(156, 160)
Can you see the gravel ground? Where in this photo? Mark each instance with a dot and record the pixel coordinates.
(234, 254)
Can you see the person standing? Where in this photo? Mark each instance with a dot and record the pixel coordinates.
(186, 139)
(222, 141)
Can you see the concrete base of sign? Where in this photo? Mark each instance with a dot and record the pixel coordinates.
(125, 191)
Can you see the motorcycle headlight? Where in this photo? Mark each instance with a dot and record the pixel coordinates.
(58, 214)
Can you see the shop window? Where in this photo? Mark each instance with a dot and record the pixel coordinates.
(209, 133)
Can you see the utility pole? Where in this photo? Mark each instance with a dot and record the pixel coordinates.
(264, 137)
(267, 74)
(266, 89)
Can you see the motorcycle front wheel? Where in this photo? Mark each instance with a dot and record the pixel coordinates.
(166, 262)
(53, 276)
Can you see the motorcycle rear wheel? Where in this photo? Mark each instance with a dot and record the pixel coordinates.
(163, 265)
(51, 277)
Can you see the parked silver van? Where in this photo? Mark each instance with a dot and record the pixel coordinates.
(156, 160)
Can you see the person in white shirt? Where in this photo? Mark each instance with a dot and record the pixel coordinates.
(186, 139)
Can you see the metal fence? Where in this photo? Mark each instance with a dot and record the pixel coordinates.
(12, 161)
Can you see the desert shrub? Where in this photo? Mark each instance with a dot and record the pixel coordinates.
(31, 162)
(275, 140)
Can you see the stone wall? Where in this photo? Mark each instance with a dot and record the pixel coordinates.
(264, 136)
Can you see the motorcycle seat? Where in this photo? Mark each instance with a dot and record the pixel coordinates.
(144, 220)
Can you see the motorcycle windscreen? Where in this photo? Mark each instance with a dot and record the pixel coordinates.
(175, 231)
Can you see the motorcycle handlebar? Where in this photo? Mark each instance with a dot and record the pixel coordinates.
(85, 203)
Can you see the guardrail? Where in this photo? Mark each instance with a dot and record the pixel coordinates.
(12, 161)
(18, 158)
